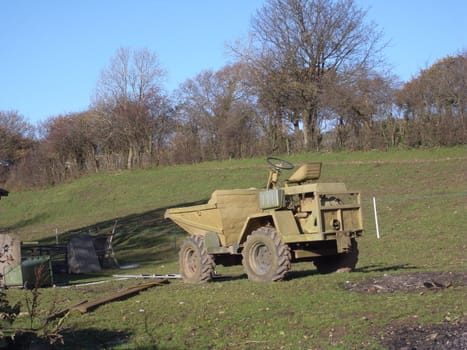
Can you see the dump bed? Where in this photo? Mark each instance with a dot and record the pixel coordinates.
(225, 213)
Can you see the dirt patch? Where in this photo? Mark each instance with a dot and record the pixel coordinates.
(416, 282)
(444, 336)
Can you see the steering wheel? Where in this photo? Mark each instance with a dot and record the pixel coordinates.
(279, 164)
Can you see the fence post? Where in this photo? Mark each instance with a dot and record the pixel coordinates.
(376, 217)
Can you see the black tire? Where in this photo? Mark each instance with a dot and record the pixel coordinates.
(344, 262)
(196, 265)
(265, 257)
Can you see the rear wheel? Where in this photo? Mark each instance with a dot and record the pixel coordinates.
(344, 262)
(196, 265)
(265, 257)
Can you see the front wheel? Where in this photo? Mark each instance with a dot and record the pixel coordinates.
(265, 257)
(196, 265)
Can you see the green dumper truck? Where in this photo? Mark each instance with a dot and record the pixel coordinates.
(267, 229)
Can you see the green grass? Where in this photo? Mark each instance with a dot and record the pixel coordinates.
(422, 204)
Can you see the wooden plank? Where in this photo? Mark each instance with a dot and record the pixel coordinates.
(127, 292)
(62, 312)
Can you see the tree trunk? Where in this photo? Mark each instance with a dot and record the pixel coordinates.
(130, 157)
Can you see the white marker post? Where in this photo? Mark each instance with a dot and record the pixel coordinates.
(376, 217)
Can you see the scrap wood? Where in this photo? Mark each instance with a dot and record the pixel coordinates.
(62, 313)
(85, 305)
(127, 292)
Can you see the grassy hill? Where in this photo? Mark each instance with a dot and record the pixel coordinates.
(422, 204)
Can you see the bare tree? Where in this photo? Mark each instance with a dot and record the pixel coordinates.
(16, 135)
(434, 104)
(78, 141)
(356, 108)
(273, 102)
(215, 112)
(130, 98)
(298, 42)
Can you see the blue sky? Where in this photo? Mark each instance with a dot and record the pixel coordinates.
(52, 51)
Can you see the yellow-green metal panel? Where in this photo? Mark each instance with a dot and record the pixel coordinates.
(337, 187)
(234, 208)
(285, 223)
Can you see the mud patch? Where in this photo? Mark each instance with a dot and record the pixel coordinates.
(416, 282)
(443, 336)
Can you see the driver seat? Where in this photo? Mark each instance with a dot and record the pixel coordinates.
(307, 172)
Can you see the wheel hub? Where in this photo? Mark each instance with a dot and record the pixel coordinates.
(261, 259)
(191, 262)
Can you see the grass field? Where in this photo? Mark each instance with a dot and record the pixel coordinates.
(422, 203)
